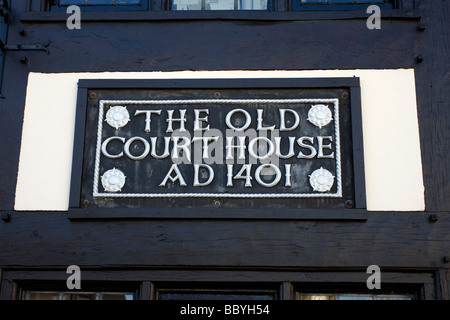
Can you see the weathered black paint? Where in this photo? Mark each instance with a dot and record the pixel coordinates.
(408, 244)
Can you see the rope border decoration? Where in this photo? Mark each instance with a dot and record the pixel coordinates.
(102, 104)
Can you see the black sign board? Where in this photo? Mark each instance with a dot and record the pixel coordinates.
(219, 143)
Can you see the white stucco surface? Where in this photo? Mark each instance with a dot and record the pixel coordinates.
(392, 155)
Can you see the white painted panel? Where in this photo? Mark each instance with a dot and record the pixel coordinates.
(391, 135)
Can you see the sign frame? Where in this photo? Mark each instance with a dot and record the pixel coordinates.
(355, 208)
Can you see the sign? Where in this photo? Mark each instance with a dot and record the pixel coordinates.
(243, 147)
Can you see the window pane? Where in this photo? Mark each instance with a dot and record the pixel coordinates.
(36, 295)
(338, 4)
(79, 296)
(393, 297)
(354, 297)
(342, 1)
(50, 295)
(219, 4)
(319, 296)
(316, 297)
(117, 296)
(99, 2)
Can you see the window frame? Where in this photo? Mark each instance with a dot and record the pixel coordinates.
(284, 284)
(70, 294)
(49, 284)
(217, 288)
(270, 7)
(415, 291)
(40, 11)
(361, 296)
(273, 6)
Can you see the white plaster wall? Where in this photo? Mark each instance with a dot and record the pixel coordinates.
(390, 129)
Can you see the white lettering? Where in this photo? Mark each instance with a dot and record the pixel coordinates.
(275, 180)
(205, 141)
(321, 146)
(287, 175)
(255, 155)
(144, 153)
(303, 145)
(283, 120)
(185, 147)
(198, 121)
(248, 119)
(260, 121)
(230, 146)
(166, 148)
(178, 176)
(105, 145)
(229, 175)
(181, 120)
(247, 168)
(290, 153)
(196, 174)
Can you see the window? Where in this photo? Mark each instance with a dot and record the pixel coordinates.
(300, 5)
(91, 290)
(215, 295)
(62, 295)
(99, 5)
(256, 288)
(217, 291)
(219, 4)
(356, 291)
(100, 2)
(323, 296)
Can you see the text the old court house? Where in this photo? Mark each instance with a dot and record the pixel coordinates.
(246, 142)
